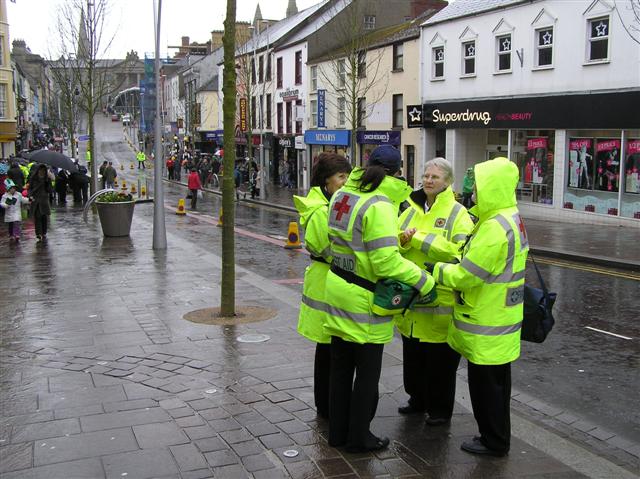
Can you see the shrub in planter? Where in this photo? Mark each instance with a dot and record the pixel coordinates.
(115, 210)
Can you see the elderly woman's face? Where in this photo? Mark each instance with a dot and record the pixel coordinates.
(434, 180)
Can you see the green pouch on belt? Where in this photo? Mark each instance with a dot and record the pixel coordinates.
(392, 297)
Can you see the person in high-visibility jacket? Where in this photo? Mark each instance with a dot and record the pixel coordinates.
(329, 173)
(141, 157)
(433, 228)
(363, 233)
(489, 285)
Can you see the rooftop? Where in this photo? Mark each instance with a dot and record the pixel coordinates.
(465, 8)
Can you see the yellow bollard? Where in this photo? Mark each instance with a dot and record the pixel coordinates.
(143, 191)
(134, 190)
(220, 218)
(181, 210)
(122, 166)
(131, 166)
(124, 184)
(293, 237)
(115, 183)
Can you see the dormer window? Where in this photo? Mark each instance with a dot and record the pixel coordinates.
(598, 47)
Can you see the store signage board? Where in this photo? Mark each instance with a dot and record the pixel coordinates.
(243, 114)
(604, 110)
(300, 143)
(321, 108)
(286, 141)
(378, 137)
(289, 94)
(327, 137)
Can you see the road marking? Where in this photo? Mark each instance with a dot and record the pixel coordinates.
(242, 232)
(607, 332)
(289, 281)
(591, 269)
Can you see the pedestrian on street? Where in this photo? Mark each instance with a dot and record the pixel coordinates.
(39, 190)
(329, 174)
(194, 186)
(62, 181)
(170, 165)
(110, 175)
(487, 316)
(103, 167)
(11, 202)
(141, 157)
(16, 175)
(434, 228)
(467, 188)
(237, 180)
(363, 232)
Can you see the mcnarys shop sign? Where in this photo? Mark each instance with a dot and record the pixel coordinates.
(605, 110)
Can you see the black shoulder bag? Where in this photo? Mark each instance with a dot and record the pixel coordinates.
(538, 316)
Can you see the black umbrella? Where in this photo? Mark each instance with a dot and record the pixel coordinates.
(52, 158)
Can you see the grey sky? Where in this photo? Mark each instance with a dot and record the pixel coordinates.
(32, 20)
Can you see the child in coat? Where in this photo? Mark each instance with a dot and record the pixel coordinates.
(12, 202)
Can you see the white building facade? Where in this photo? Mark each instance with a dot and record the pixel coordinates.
(555, 86)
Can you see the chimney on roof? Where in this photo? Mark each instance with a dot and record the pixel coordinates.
(418, 7)
(292, 8)
(185, 41)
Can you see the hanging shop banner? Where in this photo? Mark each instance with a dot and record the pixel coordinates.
(581, 163)
(321, 108)
(632, 167)
(607, 165)
(536, 166)
(378, 137)
(243, 114)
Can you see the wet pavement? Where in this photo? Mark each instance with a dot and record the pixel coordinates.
(101, 376)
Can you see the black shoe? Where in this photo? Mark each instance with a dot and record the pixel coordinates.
(409, 409)
(475, 446)
(437, 421)
(378, 445)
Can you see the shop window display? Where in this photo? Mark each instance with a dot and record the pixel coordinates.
(630, 206)
(532, 151)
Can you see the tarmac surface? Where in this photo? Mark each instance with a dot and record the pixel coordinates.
(101, 376)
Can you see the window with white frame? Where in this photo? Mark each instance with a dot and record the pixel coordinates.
(362, 64)
(341, 111)
(342, 73)
(398, 111)
(314, 78)
(437, 61)
(362, 112)
(469, 58)
(598, 39)
(503, 53)
(3, 100)
(544, 47)
(314, 112)
(369, 22)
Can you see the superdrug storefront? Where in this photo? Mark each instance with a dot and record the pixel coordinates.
(577, 154)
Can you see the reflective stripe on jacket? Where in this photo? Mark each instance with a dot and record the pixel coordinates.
(364, 240)
(440, 234)
(313, 211)
(490, 279)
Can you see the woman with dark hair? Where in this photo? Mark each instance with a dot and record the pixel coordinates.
(329, 173)
(40, 189)
(369, 281)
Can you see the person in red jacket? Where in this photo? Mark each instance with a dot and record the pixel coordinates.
(194, 186)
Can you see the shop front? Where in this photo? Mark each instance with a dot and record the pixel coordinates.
(369, 140)
(210, 141)
(284, 167)
(578, 155)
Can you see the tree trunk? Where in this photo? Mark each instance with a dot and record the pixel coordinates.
(228, 281)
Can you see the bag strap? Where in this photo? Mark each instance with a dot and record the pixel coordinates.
(353, 278)
(542, 283)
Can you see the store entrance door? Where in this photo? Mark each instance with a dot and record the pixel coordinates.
(494, 151)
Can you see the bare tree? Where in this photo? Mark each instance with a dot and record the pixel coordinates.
(228, 281)
(83, 41)
(354, 69)
(66, 101)
(630, 17)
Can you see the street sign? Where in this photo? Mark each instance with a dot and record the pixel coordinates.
(321, 107)
(83, 138)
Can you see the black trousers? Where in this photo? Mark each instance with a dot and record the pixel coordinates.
(40, 223)
(194, 199)
(429, 373)
(321, 375)
(490, 391)
(353, 404)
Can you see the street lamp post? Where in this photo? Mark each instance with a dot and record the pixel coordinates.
(159, 228)
(263, 188)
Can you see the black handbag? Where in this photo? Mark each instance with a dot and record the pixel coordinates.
(538, 320)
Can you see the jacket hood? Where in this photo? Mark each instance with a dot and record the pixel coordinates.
(307, 205)
(496, 182)
(395, 189)
(419, 197)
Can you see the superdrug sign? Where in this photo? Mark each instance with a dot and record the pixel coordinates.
(605, 110)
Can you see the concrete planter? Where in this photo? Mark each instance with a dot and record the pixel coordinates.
(115, 218)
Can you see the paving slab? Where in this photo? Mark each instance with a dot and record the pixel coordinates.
(146, 464)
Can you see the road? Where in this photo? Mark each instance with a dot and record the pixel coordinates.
(582, 371)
